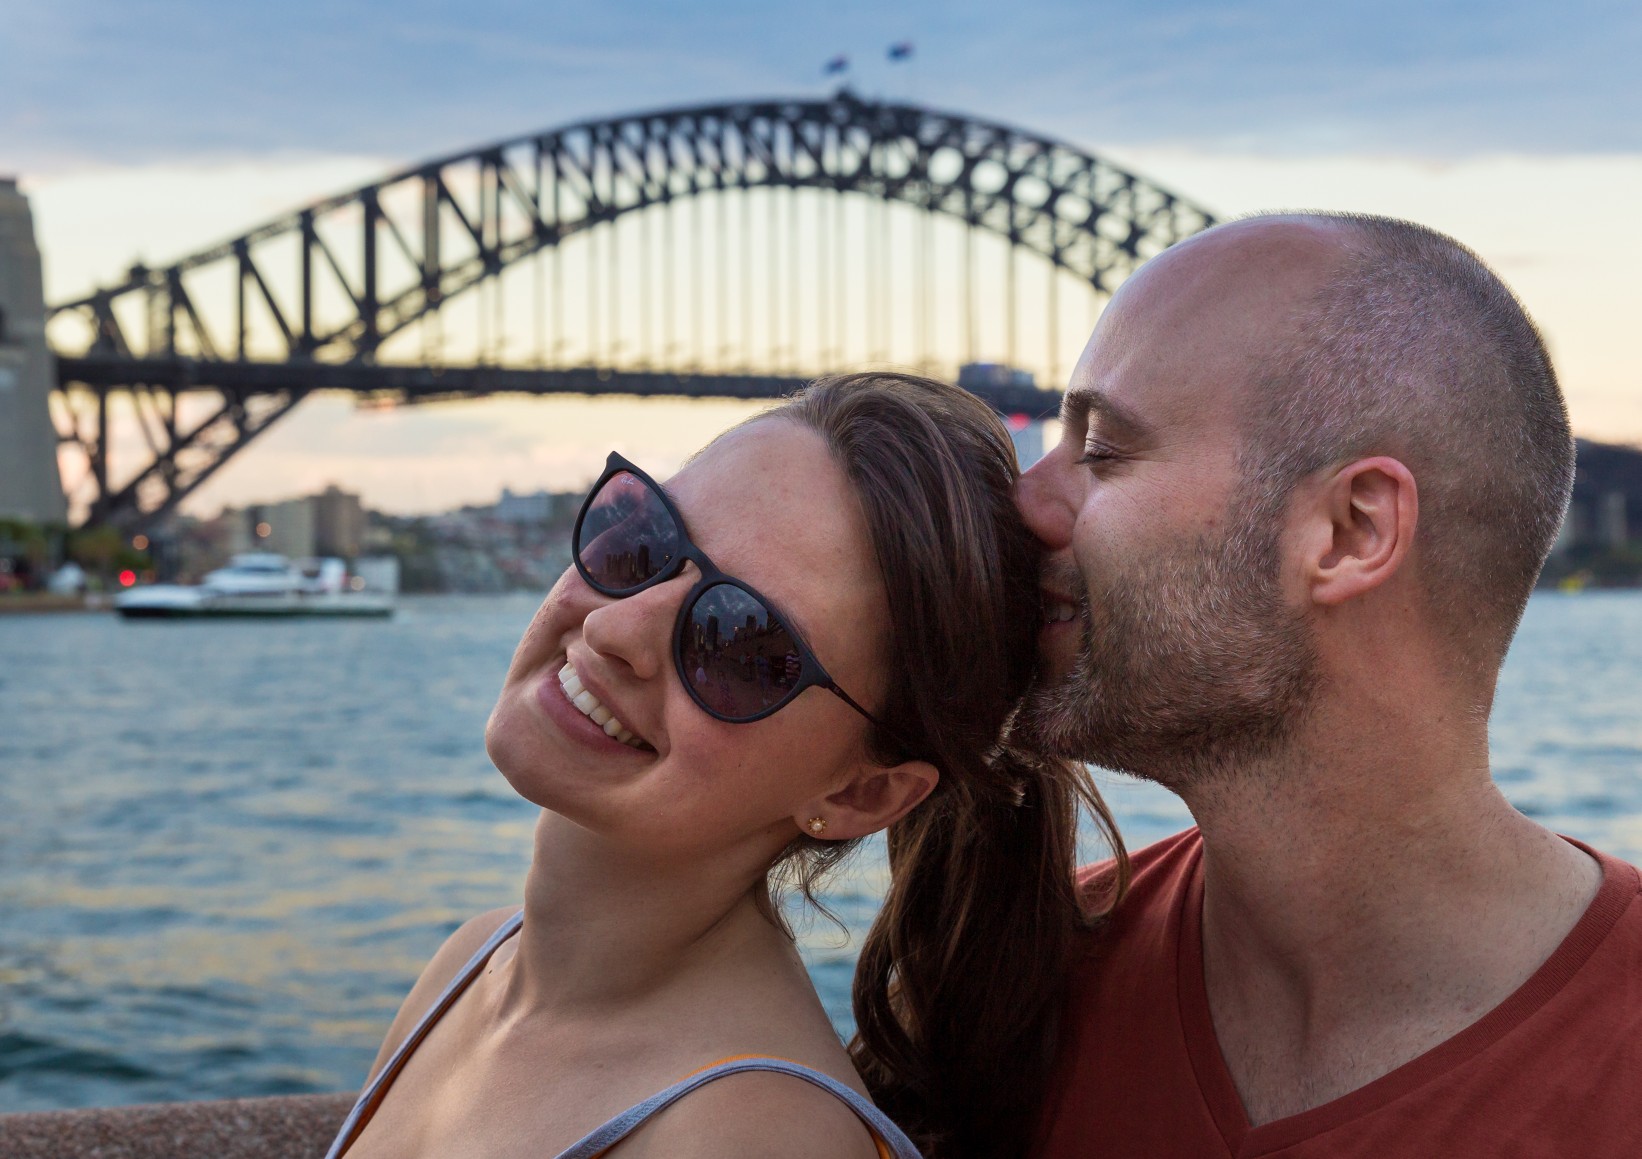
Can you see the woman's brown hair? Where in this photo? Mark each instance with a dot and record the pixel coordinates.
(959, 984)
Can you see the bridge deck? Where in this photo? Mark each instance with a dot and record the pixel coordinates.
(427, 383)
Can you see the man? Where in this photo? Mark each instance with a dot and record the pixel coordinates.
(1310, 468)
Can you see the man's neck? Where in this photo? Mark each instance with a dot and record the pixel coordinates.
(1362, 907)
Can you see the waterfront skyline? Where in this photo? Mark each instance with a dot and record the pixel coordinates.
(1509, 129)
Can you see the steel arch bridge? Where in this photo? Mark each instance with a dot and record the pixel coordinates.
(329, 297)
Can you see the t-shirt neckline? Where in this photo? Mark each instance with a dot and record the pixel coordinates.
(1220, 1092)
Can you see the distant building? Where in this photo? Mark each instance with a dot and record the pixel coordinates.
(981, 375)
(331, 523)
(287, 527)
(511, 508)
(1607, 490)
(1612, 527)
(1025, 430)
(203, 544)
(235, 531)
(377, 573)
(1601, 538)
(339, 523)
(542, 507)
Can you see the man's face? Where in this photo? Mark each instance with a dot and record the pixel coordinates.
(1185, 652)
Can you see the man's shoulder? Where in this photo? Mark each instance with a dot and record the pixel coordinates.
(1156, 871)
(1617, 873)
(1613, 920)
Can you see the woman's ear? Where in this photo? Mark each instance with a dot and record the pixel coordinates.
(876, 797)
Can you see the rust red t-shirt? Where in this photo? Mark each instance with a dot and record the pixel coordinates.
(1555, 1069)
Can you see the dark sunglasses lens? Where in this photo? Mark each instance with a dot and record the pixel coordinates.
(738, 659)
(627, 536)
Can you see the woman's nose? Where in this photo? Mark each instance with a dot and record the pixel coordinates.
(637, 630)
(1046, 500)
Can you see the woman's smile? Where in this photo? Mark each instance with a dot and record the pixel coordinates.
(554, 695)
(591, 706)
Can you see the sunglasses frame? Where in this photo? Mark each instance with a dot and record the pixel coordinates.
(810, 675)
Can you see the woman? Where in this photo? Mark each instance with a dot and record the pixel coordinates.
(817, 631)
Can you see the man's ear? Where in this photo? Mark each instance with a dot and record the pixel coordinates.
(1358, 528)
(875, 798)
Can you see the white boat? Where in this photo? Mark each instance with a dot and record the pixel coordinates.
(259, 583)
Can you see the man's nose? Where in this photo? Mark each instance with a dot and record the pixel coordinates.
(1044, 496)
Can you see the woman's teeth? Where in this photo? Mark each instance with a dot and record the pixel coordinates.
(590, 707)
(1059, 613)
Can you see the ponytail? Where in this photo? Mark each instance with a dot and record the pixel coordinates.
(960, 982)
(957, 993)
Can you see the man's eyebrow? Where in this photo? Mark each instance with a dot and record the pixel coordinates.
(1114, 418)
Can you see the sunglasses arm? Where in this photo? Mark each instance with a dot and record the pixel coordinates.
(850, 700)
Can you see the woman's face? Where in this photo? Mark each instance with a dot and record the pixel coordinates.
(769, 506)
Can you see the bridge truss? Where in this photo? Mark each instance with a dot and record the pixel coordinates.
(731, 250)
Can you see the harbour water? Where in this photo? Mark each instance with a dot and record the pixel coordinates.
(226, 849)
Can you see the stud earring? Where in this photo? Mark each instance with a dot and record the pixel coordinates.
(818, 825)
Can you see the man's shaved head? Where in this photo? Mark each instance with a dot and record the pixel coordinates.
(1413, 348)
(1230, 372)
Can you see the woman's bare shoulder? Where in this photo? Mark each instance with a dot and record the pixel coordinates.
(754, 1113)
(462, 944)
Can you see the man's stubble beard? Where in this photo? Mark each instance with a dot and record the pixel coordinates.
(1191, 664)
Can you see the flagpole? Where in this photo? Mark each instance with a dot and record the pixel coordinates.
(899, 53)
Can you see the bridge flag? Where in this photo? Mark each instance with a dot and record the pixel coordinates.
(836, 65)
(901, 50)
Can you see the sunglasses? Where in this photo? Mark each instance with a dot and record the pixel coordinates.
(735, 654)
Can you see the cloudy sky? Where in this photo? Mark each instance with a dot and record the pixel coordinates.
(135, 81)
(154, 127)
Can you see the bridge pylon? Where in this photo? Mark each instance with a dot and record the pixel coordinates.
(30, 486)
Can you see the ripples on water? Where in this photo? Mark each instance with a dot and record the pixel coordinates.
(226, 849)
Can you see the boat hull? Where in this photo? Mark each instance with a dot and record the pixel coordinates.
(260, 586)
(257, 608)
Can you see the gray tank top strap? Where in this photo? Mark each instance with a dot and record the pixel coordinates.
(396, 1061)
(631, 1119)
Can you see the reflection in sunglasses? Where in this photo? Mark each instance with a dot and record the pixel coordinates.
(627, 535)
(626, 568)
(739, 655)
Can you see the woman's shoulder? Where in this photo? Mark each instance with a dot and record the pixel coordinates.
(754, 1113)
(458, 949)
(464, 942)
